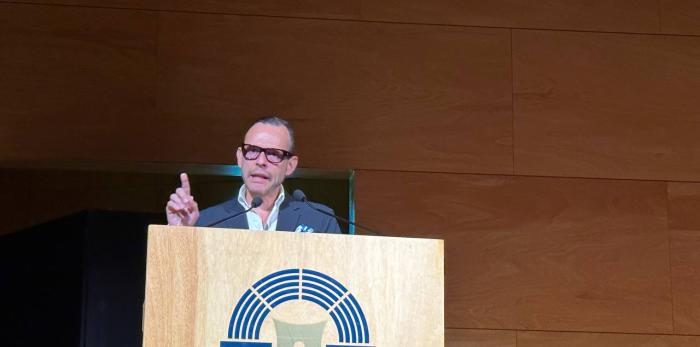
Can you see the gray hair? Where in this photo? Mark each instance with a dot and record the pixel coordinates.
(277, 121)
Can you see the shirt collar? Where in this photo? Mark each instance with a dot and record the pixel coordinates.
(241, 198)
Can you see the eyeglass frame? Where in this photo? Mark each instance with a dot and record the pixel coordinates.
(285, 154)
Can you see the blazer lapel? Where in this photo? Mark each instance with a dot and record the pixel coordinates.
(289, 216)
(240, 222)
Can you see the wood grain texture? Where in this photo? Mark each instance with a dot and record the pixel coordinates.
(599, 15)
(606, 105)
(684, 206)
(76, 82)
(535, 253)
(557, 339)
(397, 283)
(685, 272)
(172, 283)
(336, 9)
(479, 338)
(55, 194)
(381, 96)
(680, 17)
(120, 4)
(34, 196)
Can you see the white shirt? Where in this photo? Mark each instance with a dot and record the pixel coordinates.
(254, 220)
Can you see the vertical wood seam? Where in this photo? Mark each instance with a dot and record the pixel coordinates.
(670, 264)
(512, 101)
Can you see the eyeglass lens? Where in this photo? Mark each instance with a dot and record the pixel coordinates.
(273, 155)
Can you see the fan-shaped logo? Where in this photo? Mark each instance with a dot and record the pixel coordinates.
(286, 293)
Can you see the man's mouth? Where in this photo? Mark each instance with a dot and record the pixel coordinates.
(259, 176)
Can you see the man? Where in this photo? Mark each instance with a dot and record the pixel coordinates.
(266, 158)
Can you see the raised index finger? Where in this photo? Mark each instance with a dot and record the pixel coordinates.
(185, 183)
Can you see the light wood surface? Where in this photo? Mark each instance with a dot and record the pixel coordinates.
(170, 316)
(195, 276)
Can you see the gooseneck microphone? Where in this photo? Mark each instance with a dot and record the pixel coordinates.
(257, 201)
(298, 195)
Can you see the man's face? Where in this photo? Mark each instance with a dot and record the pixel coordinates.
(260, 176)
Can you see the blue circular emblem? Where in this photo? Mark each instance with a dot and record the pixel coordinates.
(266, 294)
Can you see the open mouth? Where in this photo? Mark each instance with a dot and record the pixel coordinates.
(259, 176)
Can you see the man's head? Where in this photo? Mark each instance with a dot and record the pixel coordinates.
(265, 157)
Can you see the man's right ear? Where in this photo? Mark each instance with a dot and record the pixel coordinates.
(239, 156)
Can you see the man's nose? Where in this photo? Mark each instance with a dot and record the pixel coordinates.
(262, 159)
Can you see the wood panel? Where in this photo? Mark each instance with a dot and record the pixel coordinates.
(685, 271)
(479, 338)
(76, 82)
(67, 192)
(683, 206)
(396, 288)
(380, 96)
(35, 196)
(122, 4)
(336, 9)
(172, 300)
(680, 17)
(535, 253)
(606, 105)
(556, 339)
(599, 15)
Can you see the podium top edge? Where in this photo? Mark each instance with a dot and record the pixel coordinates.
(190, 229)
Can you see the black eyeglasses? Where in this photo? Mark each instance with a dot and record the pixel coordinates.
(273, 155)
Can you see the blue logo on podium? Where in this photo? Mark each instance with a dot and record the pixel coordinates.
(297, 284)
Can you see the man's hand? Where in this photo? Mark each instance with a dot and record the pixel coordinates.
(182, 209)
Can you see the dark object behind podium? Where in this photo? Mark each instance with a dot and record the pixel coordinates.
(75, 281)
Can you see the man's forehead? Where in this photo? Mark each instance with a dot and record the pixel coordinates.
(268, 135)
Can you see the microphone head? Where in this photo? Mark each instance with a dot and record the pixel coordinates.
(257, 201)
(299, 195)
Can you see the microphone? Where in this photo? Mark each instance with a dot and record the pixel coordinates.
(298, 195)
(257, 201)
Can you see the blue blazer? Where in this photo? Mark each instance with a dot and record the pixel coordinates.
(293, 216)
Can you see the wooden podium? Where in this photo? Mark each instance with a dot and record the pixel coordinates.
(241, 288)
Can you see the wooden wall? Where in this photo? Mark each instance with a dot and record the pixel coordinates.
(553, 145)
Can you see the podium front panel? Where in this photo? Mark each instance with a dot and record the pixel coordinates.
(239, 288)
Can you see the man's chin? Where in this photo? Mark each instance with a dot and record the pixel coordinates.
(256, 189)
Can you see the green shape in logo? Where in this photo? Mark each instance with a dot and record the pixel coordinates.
(309, 334)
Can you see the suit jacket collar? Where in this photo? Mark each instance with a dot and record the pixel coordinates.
(287, 219)
(289, 215)
(232, 208)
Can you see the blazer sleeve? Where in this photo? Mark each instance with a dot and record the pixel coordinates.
(332, 226)
(324, 223)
